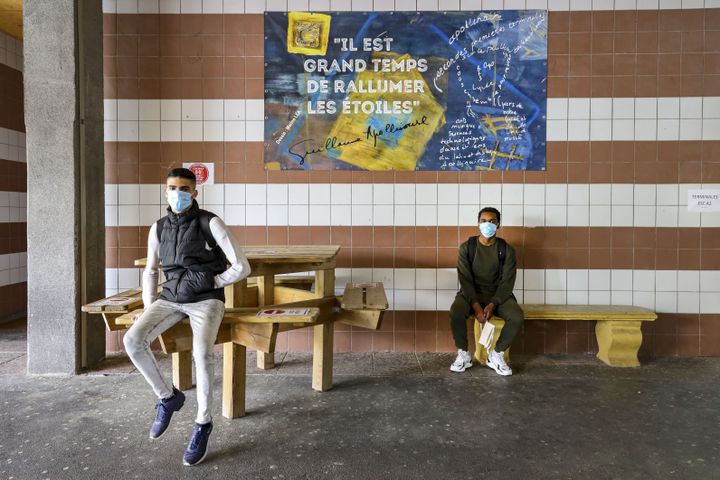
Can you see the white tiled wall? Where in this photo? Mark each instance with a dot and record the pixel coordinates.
(183, 120)
(13, 207)
(12, 145)
(573, 119)
(13, 268)
(529, 205)
(646, 119)
(11, 52)
(428, 289)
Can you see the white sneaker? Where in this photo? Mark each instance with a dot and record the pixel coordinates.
(496, 361)
(462, 362)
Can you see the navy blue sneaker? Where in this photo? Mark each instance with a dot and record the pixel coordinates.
(165, 409)
(197, 448)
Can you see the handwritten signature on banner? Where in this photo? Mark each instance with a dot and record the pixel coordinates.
(333, 143)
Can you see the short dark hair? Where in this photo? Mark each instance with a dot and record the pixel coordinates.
(182, 173)
(491, 210)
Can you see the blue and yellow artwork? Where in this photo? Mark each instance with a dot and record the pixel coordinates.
(445, 91)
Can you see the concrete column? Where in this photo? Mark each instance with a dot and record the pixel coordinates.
(65, 207)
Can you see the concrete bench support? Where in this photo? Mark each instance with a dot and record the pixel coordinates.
(618, 342)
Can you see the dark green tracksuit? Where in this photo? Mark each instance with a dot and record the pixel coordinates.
(487, 289)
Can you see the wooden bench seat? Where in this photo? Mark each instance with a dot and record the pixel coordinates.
(249, 327)
(115, 306)
(364, 296)
(617, 328)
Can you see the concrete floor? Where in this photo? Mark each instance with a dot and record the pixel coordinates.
(390, 416)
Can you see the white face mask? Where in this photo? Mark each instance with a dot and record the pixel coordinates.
(488, 229)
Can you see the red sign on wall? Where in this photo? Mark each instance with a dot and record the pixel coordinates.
(200, 171)
(203, 172)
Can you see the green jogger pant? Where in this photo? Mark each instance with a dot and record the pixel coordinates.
(509, 311)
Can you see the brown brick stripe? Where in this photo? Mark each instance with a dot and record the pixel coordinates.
(436, 247)
(158, 56)
(13, 299)
(11, 99)
(599, 54)
(634, 53)
(13, 177)
(567, 162)
(13, 238)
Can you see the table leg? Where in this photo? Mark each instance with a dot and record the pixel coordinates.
(322, 356)
(325, 283)
(233, 401)
(266, 295)
(182, 370)
(236, 295)
(265, 361)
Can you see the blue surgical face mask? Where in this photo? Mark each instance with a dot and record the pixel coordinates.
(488, 229)
(179, 200)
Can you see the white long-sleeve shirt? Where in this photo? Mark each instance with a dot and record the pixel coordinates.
(239, 266)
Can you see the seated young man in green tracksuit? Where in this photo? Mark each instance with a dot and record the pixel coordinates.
(486, 285)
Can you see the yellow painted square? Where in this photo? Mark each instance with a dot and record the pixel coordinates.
(308, 33)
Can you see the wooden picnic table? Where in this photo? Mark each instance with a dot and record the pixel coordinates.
(246, 326)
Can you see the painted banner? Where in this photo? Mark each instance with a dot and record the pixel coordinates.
(405, 90)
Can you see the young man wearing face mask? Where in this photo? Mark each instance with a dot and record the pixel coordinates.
(485, 290)
(194, 247)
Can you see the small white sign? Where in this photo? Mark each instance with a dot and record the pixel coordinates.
(204, 172)
(284, 312)
(703, 200)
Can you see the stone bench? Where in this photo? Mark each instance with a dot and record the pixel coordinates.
(617, 328)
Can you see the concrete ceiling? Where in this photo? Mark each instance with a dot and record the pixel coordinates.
(11, 18)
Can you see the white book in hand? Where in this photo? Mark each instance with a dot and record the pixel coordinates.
(486, 335)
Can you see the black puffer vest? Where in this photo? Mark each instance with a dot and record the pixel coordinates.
(188, 265)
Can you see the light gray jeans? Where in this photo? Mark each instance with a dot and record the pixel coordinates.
(205, 318)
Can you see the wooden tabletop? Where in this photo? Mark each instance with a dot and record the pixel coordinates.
(269, 254)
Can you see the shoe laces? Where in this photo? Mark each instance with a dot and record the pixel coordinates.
(162, 411)
(500, 358)
(197, 437)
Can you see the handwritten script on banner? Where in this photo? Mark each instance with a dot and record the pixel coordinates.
(406, 90)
